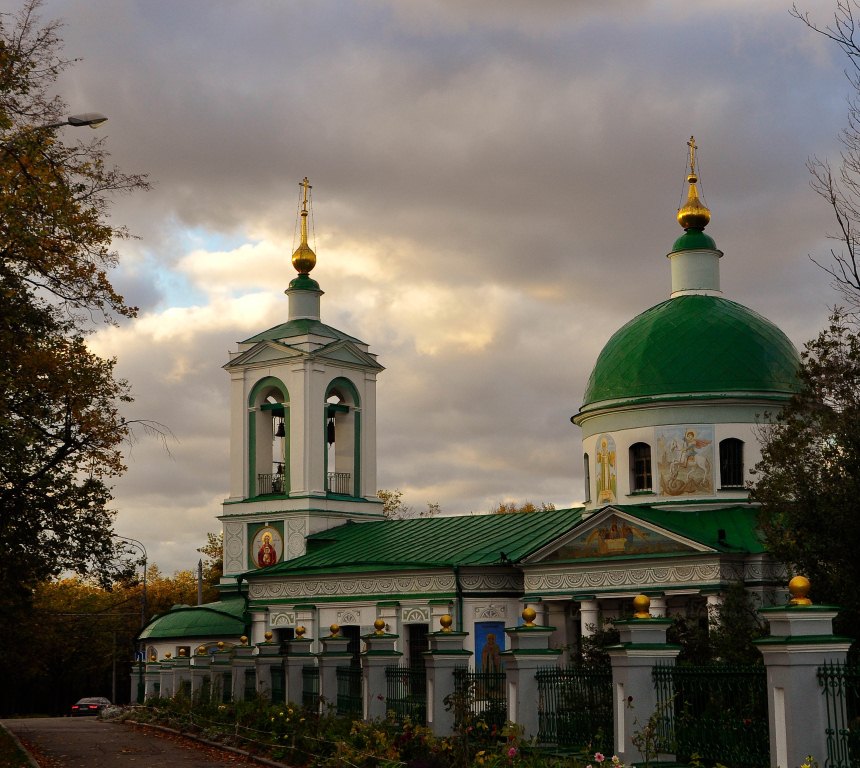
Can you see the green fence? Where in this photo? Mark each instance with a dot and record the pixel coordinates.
(716, 711)
(310, 686)
(349, 703)
(575, 707)
(841, 684)
(407, 693)
(479, 697)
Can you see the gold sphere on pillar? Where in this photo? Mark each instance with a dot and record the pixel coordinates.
(335, 630)
(799, 587)
(641, 607)
(529, 616)
(446, 621)
(379, 626)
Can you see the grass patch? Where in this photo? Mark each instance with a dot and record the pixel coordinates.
(10, 755)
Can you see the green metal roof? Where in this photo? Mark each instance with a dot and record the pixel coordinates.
(301, 327)
(465, 540)
(740, 524)
(221, 619)
(694, 345)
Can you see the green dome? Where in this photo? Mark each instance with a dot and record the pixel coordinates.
(694, 345)
(221, 619)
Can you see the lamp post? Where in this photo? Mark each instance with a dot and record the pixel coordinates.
(91, 119)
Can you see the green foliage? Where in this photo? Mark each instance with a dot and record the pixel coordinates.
(510, 507)
(60, 425)
(394, 508)
(809, 476)
(737, 625)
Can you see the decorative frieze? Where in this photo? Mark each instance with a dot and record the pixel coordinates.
(491, 612)
(233, 547)
(492, 582)
(282, 618)
(416, 615)
(349, 618)
(302, 589)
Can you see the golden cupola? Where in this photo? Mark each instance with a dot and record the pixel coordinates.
(694, 214)
(304, 259)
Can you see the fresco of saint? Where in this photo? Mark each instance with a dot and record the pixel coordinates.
(685, 460)
(606, 474)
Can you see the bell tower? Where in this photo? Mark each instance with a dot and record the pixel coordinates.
(302, 428)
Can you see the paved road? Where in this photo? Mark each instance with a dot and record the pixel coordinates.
(86, 742)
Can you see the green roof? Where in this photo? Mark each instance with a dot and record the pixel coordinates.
(464, 540)
(740, 524)
(694, 345)
(221, 619)
(301, 327)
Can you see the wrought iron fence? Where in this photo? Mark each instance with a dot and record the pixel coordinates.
(575, 707)
(310, 686)
(841, 684)
(407, 693)
(716, 711)
(279, 694)
(269, 484)
(250, 685)
(480, 697)
(226, 687)
(349, 702)
(338, 482)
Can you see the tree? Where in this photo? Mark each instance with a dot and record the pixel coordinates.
(394, 508)
(509, 507)
(841, 187)
(808, 481)
(60, 425)
(213, 565)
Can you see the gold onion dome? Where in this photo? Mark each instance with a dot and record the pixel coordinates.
(694, 214)
(304, 259)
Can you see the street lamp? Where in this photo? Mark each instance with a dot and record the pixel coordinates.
(92, 119)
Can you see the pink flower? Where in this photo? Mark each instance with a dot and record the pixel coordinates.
(512, 752)
(598, 757)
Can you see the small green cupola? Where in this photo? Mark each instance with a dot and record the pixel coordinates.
(694, 256)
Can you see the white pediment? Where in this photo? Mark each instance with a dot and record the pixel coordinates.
(348, 353)
(614, 533)
(264, 352)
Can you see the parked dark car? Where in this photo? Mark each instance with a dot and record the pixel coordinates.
(91, 705)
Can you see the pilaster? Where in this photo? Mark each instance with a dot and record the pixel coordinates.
(445, 655)
(380, 653)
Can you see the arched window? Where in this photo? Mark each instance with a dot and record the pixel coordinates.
(640, 467)
(343, 438)
(268, 439)
(731, 463)
(587, 471)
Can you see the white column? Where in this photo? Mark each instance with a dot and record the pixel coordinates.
(658, 607)
(589, 616)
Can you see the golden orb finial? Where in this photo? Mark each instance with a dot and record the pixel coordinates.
(181, 651)
(335, 630)
(268, 636)
(220, 645)
(529, 616)
(168, 655)
(798, 587)
(693, 214)
(300, 632)
(446, 621)
(641, 607)
(379, 626)
(304, 259)
(243, 640)
(201, 650)
(153, 657)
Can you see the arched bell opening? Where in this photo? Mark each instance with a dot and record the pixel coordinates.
(269, 439)
(342, 426)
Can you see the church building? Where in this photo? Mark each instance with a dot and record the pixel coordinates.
(669, 436)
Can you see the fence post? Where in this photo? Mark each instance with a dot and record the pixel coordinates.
(298, 654)
(634, 698)
(268, 657)
(334, 655)
(529, 649)
(181, 673)
(199, 672)
(165, 677)
(445, 655)
(151, 679)
(243, 662)
(379, 654)
(801, 640)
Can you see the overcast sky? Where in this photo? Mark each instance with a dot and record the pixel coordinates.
(495, 188)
